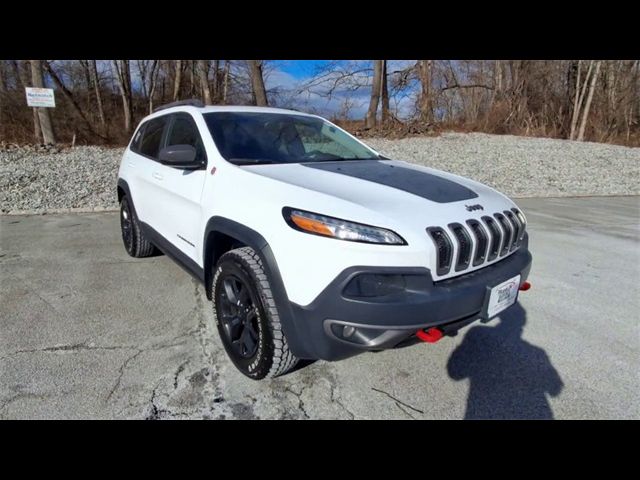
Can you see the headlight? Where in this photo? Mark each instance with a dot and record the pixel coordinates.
(317, 224)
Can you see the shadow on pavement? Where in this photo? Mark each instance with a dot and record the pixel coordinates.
(509, 378)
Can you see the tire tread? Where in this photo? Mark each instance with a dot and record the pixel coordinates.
(283, 359)
(142, 247)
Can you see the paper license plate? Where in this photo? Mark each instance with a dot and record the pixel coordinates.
(503, 296)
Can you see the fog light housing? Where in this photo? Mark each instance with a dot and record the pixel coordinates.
(375, 285)
(357, 335)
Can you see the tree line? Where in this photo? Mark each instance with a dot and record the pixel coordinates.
(100, 101)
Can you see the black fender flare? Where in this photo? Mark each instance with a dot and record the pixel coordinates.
(127, 191)
(251, 238)
(124, 186)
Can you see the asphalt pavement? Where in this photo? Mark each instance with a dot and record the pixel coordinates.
(88, 332)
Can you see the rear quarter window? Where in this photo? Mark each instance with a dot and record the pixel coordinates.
(137, 138)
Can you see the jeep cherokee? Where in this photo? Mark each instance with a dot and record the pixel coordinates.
(310, 244)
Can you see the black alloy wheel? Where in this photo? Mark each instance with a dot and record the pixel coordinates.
(238, 316)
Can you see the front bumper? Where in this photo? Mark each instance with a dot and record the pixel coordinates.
(337, 326)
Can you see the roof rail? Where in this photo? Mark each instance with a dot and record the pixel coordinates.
(193, 102)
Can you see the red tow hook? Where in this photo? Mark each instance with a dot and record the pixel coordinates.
(525, 286)
(430, 336)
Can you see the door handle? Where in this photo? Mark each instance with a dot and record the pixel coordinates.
(157, 176)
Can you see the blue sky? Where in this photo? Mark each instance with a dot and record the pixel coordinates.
(345, 99)
(302, 68)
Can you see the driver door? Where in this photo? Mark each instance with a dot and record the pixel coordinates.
(180, 190)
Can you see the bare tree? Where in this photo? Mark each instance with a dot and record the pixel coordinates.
(215, 94)
(37, 79)
(19, 70)
(23, 76)
(69, 96)
(203, 75)
(581, 87)
(596, 100)
(385, 94)
(123, 74)
(177, 82)
(3, 77)
(581, 107)
(587, 107)
(153, 80)
(376, 85)
(143, 69)
(96, 87)
(336, 76)
(257, 83)
(84, 65)
(225, 81)
(191, 65)
(424, 74)
(148, 72)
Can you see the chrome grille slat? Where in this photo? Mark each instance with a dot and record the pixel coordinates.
(522, 222)
(482, 241)
(515, 225)
(496, 238)
(465, 246)
(444, 249)
(506, 226)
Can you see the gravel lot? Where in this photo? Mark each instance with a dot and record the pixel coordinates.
(37, 180)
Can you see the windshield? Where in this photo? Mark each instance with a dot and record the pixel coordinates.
(250, 138)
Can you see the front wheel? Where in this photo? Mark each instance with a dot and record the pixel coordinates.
(247, 317)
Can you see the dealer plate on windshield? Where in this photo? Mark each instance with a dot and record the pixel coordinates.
(502, 296)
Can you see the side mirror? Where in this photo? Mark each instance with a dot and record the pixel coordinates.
(179, 156)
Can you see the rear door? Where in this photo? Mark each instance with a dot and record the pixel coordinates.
(179, 191)
(142, 162)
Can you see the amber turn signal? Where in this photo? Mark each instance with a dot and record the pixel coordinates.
(310, 225)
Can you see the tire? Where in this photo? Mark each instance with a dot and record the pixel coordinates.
(251, 331)
(134, 240)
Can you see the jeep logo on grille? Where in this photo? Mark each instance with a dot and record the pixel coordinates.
(477, 206)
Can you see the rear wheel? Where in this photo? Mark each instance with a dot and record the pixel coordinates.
(135, 243)
(247, 317)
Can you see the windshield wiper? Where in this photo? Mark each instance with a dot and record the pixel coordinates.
(339, 159)
(250, 161)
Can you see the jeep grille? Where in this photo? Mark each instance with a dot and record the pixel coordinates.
(477, 242)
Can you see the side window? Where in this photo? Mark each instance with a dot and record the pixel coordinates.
(135, 143)
(185, 132)
(152, 137)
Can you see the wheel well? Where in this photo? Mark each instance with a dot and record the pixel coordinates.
(217, 244)
(120, 193)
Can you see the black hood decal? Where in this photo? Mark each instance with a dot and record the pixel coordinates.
(425, 185)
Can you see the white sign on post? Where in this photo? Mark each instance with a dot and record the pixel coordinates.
(40, 97)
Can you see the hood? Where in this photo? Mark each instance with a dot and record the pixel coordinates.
(392, 188)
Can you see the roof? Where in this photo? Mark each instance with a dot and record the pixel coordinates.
(224, 108)
(245, 108)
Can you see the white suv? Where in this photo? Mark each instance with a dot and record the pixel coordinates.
(310, 243)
